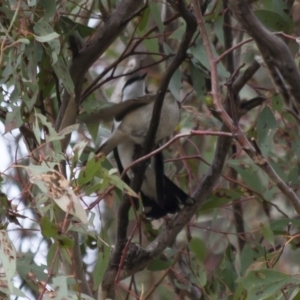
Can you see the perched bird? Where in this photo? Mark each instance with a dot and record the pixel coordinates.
(134, 124)
(159, 194)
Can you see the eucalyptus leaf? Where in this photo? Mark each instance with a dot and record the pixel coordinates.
(26, 265)
(261, 284)
(46, 38)
(266, 126)
(13, 119)
(156, 15)
(199, 53)
(49, 9)
(8, 258)
(273, 21)
(267, 233)
(175, 84)
(198, 247)
(178, 33)
(159, 265)
(61, 70)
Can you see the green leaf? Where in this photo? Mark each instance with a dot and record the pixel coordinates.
(220, 198)
(198, 274)
(15, 95)
(42, 28)
(198, 79)
(250, 255)
(199, 53)
(63, 133)
(219, 28)
(261, 284)
(13, 119)
(282, 225)
(198, 247)
(45, 33)
(46, 123)
(267, 4)
(159, 264)
(92, 167)
(50, 8)
(175, 84)
(250, 176)
(8, 258)
(103, 256)
(121, 185)
(59, 284)
(49, 229)
(178, 33)
(26, 265)
(215, 12)
(83, 30)
(151, 45)
(155, 14)
(70, 203)
(46, 38)
(277, 102)
(267, 233)
(240, 293)
(62, 72)
(50, 258)
(281, 7)
(278, 169)
(78, 148)
(272, 20)
(30, 95)
(91, 107)
(297, 297)
(201, 275)
(51, 136)
(293, 176)
(65, 253)
(266, 126)
(31, 3)
(296, 146)
(23, 40)
(228, 274)
(95, 188)
(182, 286)
(144, 21)
(167, 49)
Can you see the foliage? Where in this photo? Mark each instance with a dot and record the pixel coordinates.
(59, 204)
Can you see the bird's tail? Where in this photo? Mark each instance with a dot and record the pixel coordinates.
(170, 202)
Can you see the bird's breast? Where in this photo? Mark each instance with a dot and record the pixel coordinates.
(136, 123)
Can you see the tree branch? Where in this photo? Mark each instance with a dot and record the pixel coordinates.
(275, 52)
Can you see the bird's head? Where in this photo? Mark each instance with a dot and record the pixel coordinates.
(134, 87)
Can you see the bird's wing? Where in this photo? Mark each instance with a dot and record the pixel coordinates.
(132, 105)
(115, 110)
(116, 138)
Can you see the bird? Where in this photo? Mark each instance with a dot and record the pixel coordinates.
(160, 195)
(133, 125)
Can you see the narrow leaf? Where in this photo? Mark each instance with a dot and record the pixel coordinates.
(155, 14)
(198, 247)
(261, 284)
(47, 37)
(7, 258)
